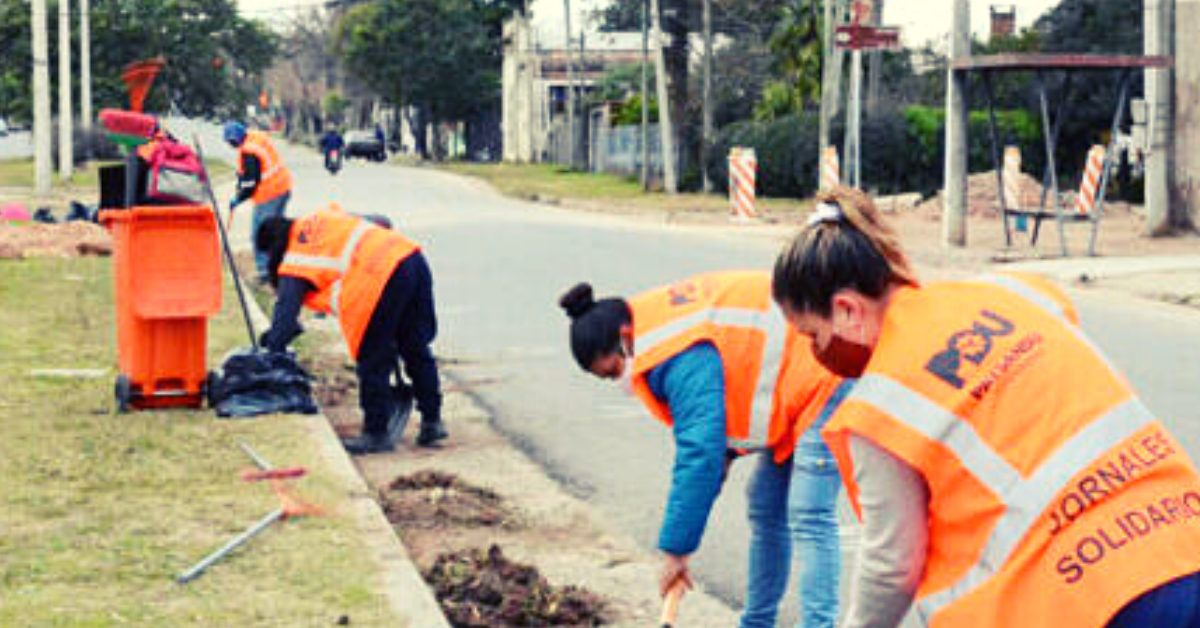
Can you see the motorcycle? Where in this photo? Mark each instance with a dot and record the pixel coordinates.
(333, 161)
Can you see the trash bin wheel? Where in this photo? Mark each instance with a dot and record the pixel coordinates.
(210, 389)
(123, 391)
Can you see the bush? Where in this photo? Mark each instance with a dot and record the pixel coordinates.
(903, 149)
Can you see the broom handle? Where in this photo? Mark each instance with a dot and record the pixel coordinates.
(671, 605)
(237, 280)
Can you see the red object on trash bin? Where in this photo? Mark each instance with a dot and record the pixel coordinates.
(167, 274)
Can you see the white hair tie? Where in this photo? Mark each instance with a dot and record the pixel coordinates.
(825, 212)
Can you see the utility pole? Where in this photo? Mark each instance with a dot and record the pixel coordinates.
(831, 75)
(66, 157)
(706, 136)
(1158, 34)
(664, 102)
(41, 101)
(645, 96)
(85, 70)
(873, 76)
(954, 211)
(853, 143)
(570, 86)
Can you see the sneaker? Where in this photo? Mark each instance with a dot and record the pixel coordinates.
(401, 413)
(368, 444)
(431, 432)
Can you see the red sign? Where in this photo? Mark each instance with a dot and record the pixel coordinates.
(854, 37)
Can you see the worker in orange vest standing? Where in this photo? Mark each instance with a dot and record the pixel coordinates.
(1005, 473)
(262, 178)
(378, 285)
(714, 360)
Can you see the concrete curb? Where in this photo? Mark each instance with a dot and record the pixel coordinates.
(406, 591)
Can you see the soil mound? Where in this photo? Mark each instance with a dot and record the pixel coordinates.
(480, 589)
(430, 499)
(70, 239)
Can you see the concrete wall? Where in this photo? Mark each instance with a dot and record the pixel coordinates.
(1185, 184)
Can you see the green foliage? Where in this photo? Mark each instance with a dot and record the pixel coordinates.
(902, 149)
(334, 106)
(778, 101)
(630, 111)
(198, 38)
(441, 55)
(798, 50)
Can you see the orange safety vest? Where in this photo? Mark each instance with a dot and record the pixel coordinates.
(1055, 496)
(349, 260)
(275, 179)
(774, 387)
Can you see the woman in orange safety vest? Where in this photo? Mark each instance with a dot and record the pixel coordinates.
(712, 358)
(1006, 474)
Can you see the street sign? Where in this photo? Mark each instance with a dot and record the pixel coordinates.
(854, 37)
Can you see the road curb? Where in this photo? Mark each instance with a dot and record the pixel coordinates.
(408, 595)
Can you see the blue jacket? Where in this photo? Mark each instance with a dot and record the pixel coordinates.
(692, 384)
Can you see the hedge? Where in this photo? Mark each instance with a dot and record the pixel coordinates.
(903, 149)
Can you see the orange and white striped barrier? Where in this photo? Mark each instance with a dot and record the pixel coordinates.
(743, 167)
(1086, 201)
(1012, 178)
(831, 176)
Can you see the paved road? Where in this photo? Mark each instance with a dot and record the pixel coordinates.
(499, 267)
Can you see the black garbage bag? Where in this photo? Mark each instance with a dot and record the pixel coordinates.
(252, 383)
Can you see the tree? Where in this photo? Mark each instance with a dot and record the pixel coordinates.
(798, 49)
(442, 57)
(213, 56)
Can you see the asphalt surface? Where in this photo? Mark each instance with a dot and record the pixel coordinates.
(499, 266)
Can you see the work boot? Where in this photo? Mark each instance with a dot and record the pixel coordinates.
(431, 432)
(400, 412)
(368, 443)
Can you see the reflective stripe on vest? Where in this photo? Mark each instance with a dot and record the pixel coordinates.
(1026, 500)
(338, 264)
(1031, 294)
(1012, 284)
(774, 329)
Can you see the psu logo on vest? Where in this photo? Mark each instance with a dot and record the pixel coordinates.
(973, 345)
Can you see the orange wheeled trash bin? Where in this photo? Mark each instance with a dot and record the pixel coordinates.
(167, 273)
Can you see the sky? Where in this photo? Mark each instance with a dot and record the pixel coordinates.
(919, 20)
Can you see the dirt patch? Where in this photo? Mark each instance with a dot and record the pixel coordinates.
(983, 200)
(481, 589)
(71, 239)
(432, 499)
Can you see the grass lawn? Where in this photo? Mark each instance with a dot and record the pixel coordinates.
(555, 182)
(100, 511)
(18, 173)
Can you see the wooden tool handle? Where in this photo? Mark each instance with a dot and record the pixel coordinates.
(671, 604)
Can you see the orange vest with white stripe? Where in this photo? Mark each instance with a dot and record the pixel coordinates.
(275, 179)
(1055, 496)
(349, 260)
(774, 388)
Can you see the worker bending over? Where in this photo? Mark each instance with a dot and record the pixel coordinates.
(715, 361)
(379, 286)
(1005, 472)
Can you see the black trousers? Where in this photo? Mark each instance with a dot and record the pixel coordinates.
(402, 326)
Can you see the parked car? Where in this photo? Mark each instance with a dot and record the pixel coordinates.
(3, 127)
(364, 144)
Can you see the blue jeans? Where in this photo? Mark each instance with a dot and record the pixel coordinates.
(812, 514)
(795, 503)
(1171, 605)
(271, 208)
